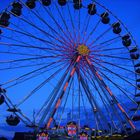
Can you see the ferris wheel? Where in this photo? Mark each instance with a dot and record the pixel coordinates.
(60, 57)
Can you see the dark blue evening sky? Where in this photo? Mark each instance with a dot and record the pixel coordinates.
(128, 11)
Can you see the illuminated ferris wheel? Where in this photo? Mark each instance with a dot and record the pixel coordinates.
(61, 58)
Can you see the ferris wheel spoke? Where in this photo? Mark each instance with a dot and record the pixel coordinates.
(43, 40)
(11, 105)
(113, 109)
(85, 28)
(79, 100)
(97, 112)
(85, 108)
(110, 41)
(25, 33)
(79, 26)
(92, 31)
(53, 30)
(51, 97)
(19, 53)
(45, 49)
(64, 22)
(128, 81)
(105, 105)
(38, 28)
(12, 39)
(25, 117)
(110, 56)
(122, 89)
(113, 64)
(104, 49)
(118, 75)
(72, 22)
(89, 99)
(32, 36)
(108, 49)
(96, 109)
(40, 86)
(22, 80)
(49, 102)
(126, 77)
(101, 97)
(65, 102)
(22, 66)
(93, 84)
(26, 59)
(110, 104)
(100, 36)
(111, 94)
(76, 26)
(31, 72)
(63, 92)
(117, 53)
(58, 25)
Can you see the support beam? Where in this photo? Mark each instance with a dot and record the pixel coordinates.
(99, 78)
(97, 111)
(57, 104)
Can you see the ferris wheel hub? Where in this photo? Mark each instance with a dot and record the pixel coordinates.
(83, 50)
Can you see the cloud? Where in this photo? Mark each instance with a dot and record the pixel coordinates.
(7, 134)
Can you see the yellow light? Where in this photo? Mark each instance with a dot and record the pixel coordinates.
(99, 131)
(83, 50)
(116, 135)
